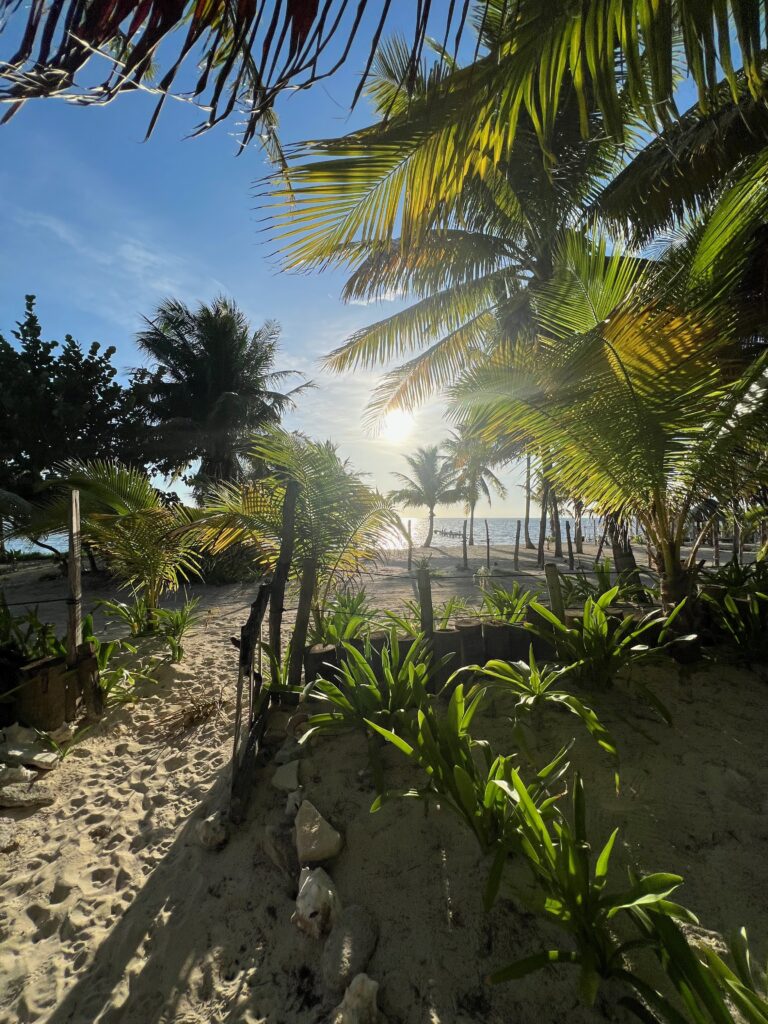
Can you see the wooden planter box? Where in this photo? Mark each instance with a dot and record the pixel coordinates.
(47, 695)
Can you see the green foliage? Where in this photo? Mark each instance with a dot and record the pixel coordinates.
(508, 605)
(534, 687)
(742, 622)
(60, 403)
(134, 615)
(432, 481)
(347, 616)
(408, 621)
(442, 746)
(599, 645)
(117, 681)
(577, 587)
(738, 580)
(362, 696)
(26, 637)
(175, 623)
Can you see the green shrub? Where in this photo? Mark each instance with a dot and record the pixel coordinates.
(507, 605)
(175, 623)
(348, 616)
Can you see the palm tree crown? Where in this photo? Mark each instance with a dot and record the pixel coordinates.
(433, 483)
(215, 384)
(472, 459)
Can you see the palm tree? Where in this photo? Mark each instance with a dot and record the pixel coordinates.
(472, 459)
(215, 385)
(433, 482)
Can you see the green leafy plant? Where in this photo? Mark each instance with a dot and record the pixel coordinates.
(175, 623)
(26, 637)
(117, 682)
(360, 697)
(409, 620)
(599, 645)
(442, 746)
(64, 749)
(743, 623)
(508, 605)
(533, 687)
(737, 580)
(133, 615)
(347, 616)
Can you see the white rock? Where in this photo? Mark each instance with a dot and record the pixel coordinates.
(359, 1003)
(293, 803)
(23, 746)
(17, 773)
(212, 832)
(19, 794)
(287, 777)
(317, 904)
(316, 840)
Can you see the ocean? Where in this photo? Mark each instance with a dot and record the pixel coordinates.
(500, 530)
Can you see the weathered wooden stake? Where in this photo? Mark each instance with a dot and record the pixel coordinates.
(410, 547)
(716, 541)
(487, 547)
(427, 614)
(570, 545)
(75, 593)
(464, 562)
(517, 547)
(283, 567)
(556, 602)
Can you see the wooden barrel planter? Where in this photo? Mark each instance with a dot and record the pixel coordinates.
(471, 646)
(47, 694)
(317, 659)
(446, 643)
(497, 637)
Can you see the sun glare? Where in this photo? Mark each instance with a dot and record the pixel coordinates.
(397, 426)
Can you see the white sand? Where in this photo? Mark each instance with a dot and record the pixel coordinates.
(110, 911)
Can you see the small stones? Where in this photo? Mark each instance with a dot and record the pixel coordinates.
(349, 947)
(316, 840)
(278, 845)
(317, 904)
(359, 1003)
(287, 777)
(20, 794)
(212, 832)
(15, 773)
(7, 834)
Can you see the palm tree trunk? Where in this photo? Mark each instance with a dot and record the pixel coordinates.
(430, 531)
(529, 545)
(300, 629)
(280, 578)
(472, 524)
(578, 536)
(543, 524)
(556, 525)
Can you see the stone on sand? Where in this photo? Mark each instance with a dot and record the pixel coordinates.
(7, 834)
(316, 839)
(278, 845)
(317, 904)
(287, 777)
(289, 751)
(212, 832)
(23, 746)
(359, 1003)
(349, 947)
(20, 794)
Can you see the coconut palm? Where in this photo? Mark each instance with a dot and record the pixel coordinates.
(339, 523)
(472, 459)
(645, 390)
(215, 385)
(432, 483)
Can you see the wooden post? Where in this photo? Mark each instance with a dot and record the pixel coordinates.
(555, 593)
(488, 546)
(410, 547)
(600, 546)
(464, 563)
(425, 602)
(75, 593)
(570, 545)
(517, 547)
(283, 567)
(716, 541)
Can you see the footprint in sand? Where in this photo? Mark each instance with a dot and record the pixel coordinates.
(102, 875)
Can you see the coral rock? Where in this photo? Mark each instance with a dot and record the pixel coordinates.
(316, 840)
(7, 834)
(317, 905)
(212, 832)
(20, 794)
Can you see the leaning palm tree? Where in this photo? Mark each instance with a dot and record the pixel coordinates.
(214, 387)
(472, 459)
(432, 483)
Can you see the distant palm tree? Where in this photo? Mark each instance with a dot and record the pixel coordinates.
(215, 384)
(472, 458)
(433, 483)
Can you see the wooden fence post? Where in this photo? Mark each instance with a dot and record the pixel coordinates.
(716, 541)
(410, 547)
(425, 602)
(556, 602)
(487, 547)
(464, 563)
(75, 591)
(570, 545)
(283, 567)
(517, 547)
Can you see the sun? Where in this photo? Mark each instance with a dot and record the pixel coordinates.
(397, 426)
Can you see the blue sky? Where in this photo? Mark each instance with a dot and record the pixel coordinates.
(102, 226)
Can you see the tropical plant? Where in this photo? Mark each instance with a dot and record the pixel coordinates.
(508, 605)
(116, 681)
(364, 695)
(577, 587)
(742, 623)
(338, 525)
(215, 385)
(599, 645)
(472, 460)
(432, 482)
(134, 615)
(347, 616)
(736, 579)
(533, 687)
(408, 620)
(175, 623)
(26, 637)
(442, 746)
